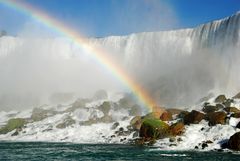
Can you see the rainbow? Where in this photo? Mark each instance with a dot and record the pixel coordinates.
(94, 52)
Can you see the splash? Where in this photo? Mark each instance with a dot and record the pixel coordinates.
(96, 53)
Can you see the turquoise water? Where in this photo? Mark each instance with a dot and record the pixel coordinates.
(66, 151)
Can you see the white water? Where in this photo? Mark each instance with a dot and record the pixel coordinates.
(177, 67)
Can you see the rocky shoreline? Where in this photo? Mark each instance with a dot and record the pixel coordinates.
(169, 126)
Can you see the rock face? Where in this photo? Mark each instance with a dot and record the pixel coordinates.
(234, 141)
(136, 122)
(154, 129)
(177, 128)
(13, 124)
(216, 118)
(105, 107)
(194, 117)
(220, 99)
(39, 114)
(66, 122)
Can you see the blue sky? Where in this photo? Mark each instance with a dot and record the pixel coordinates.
(119, 17)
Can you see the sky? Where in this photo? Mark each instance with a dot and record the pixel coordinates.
(99, 18)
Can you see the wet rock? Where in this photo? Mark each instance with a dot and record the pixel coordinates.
(236, 115)
(204, 145)
(231, 109)
(210, 108)
(172, 139)
(216, 118)
(238, 125)
(166, 116)
(228, 102)
(39, 114)
(12, 124)
(208, 142)
(234, 142)
(237, 96)
(135, 134)
(115, 125)
(154, 128)
(105, 107)
(79, 103)
(220, 99)
(177, 128)
(182, 114)
(136, 122)
(179, 139)
(174, 111)
(68, 121)
(194, 117)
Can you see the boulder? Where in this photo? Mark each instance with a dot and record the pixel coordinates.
(177, 128)
(210, 108)
(182, 114)
(216, 118)
(136, 122)
(105, 107)
(231, 109)
(220, 99)
(237, 96)
(194, 117)
(228, 102)
(234, 141)
(166, 116)
(174, 111)
(236, 115)
(154, 129)
(68, 121)
(12, 124)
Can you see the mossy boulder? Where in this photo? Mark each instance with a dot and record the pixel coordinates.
(153, 115)
(234, 142)
(12, 124)
(220, 99)
(194, 117)
(154, 129)
(216, 118)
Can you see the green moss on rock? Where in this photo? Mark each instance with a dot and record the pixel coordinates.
(13, 124)
(154, 129)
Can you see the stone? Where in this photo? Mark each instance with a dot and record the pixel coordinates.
(154, 129)
(166, 116)
(231, 109)
(153, 115)
(177, 128)
(238, 125)
(220, 99)
(182, 114)
(210, 108)
(237, 96)
(68, 121)
(228, 102)
(12, 124)
(136, 122)
(115, 125)
(105, 107)
(234, 142)
(216, 118)
(174, 111)
(194, 117)
(236, 115)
